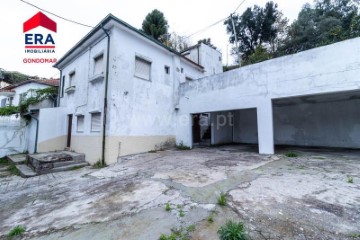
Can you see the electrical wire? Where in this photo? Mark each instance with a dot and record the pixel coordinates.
(217, 22)
(66, 19)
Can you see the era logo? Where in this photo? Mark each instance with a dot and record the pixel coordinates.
(38, 40)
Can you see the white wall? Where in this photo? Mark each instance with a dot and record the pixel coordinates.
(221, 128)
(12, 135)
(328, 69)
(245, 126)
(24, 88)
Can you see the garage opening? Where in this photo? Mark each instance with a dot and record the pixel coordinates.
(328, 120)
(225, 127)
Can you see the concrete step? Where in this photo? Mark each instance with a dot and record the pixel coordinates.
(26, 171)
(17, 158)
(64, 163)
(70, 167)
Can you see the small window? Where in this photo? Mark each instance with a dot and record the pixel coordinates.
(96, 122)
(182, 70)
(188, 78)
(98, 65)
(80, 123)
(142, 68)
(3, 102)
(71, 79)
(167, 69)
(11, 99)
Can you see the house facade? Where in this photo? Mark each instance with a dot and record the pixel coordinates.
(141, 77)
(123, 93)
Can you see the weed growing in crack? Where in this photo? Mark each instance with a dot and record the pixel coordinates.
(167, 207)
(232, 231)
(99, 165)
(350, 179)
(210, 219)
(182, 146)
(16, 231)
(179, 233)
(292, 154)
(13, 170)
(222, 199)
(181, 213)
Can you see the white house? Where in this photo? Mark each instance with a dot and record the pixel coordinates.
(122, 93)
(136, 77)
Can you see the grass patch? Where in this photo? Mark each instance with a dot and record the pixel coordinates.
(355, 236)
(4, 161)
(13, 170)
(167, 207)
(99, 165)
(181, 213)
(210, 219)
(350, 179)
(179, 233)
(222, 199)
(292, 154)
(77, 168)
(16, 231)
(232, 231)
(181, 146)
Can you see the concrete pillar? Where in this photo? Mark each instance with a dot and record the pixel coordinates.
(265, 127)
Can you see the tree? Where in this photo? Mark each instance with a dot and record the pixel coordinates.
(207, 41)
(176, 42)
(325, 22)
(155, 25)
(257, 26)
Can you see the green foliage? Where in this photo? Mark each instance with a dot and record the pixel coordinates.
(155, 25)
(16, 231)
(167, 207)
(8, 110)
(13, 170)
(232, 231)
(324, 22)
(210, 218)
(191, 228)
(292, 154)
(260, 55)
(99, 164)
(257, 26)
(350, 179)
(31, 97)
(179, 233)
(182, 146)
(181, 213)
(13, 77)
(222, 199)
(4, 161)
(207, 41)
(176, 42)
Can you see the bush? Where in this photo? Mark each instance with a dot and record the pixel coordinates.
(232, 231)
(292, 154)
(222, 199)
(16, 231)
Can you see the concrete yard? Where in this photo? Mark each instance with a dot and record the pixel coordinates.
(277, 197)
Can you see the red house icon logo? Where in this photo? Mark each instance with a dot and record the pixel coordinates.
(37, 20)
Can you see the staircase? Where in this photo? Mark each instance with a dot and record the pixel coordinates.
(42, 163)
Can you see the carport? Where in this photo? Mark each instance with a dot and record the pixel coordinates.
(323, 120)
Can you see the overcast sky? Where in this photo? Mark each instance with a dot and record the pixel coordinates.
(184, 17)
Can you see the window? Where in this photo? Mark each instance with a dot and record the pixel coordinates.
(167, 69)
(80, 123)
(142, 68)
(3, 102)
(182, 70)
(188, 78)
(11, 99)
(98, 65)
(62, 86)
(71, 78)
(96, 122)
(22, 97)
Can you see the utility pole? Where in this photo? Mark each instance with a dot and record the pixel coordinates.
(236, 39)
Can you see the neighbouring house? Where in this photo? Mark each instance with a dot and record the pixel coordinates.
(3, 84)
(18, 134)
(122, 92)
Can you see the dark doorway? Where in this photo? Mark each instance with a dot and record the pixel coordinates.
(196, 130)
(70, 117)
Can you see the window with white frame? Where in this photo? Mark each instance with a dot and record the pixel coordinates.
(98, 65)
(71, 79)
(80, 123)
(96, 122)
(142, 68)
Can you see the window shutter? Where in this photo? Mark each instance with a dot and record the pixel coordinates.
(142, 68)
(3, 102)
(95, 122)
(80, 123)
(98, 67)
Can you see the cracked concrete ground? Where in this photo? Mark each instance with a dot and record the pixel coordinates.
(307, 197)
